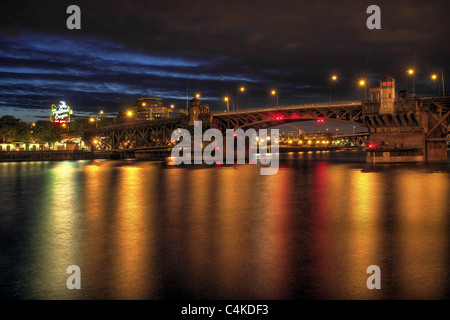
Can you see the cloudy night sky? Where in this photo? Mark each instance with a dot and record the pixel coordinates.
(131, 49)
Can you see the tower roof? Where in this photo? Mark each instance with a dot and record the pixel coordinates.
(387, 77)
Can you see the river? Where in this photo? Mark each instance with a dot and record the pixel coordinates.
(149, 230)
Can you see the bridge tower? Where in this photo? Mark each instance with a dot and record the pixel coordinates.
(196, 110)
(387, 95)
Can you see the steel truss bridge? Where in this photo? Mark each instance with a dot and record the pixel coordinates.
(429, 115)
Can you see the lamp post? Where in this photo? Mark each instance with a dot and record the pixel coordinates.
(129, 114)
(412, 73)
(275, 93)
(228, 107)
(332, 78)
(362, 83)
(93, 120)
(434, 78)
(241, 89)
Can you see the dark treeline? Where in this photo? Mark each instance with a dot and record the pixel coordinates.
(43, 131)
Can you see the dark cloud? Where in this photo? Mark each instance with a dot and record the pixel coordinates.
(130, 49)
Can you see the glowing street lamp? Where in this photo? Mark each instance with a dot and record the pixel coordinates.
(275, 93)
(101, 112)
(228, 107)
(172, 106)
(129, 113)
(434, 77)
(412, 73)
(362, 83)
(197, 95)
(241, 89)
(332, 78)
(93, 120)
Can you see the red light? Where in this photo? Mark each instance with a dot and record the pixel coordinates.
(371, 145)
(320, 120)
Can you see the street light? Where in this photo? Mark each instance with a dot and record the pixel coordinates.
(228, 107)
(332, 78)
(172, 106)
(434, 77)
(101, 112)
(362, 83)
(241, 89)
(197, 95)
(412, 73)
(274, 92)
(93, 120)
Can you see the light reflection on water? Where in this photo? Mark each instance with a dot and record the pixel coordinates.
(142, 230)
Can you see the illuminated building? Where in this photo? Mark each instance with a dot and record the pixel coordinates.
(151, 108)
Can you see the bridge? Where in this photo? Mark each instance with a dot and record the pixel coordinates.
(414, 129)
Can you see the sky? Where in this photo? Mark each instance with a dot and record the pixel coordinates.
(126, 50)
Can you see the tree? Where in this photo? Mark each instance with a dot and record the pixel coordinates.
(46, 132)
(13, 129)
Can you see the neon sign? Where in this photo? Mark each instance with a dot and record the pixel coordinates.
(61, 114)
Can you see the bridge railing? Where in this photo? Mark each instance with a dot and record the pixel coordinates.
(290, 107)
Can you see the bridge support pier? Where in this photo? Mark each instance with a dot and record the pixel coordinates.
(436, 151)
(405, 147)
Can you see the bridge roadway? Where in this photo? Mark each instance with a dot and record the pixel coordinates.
(429, 116)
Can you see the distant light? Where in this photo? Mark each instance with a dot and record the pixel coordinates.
(144, 104)
(101, 111)
(172, 106)
(362, 82)
(242, 89)
(334, 78)
(274, 92)
(320, 120)
(91, 119)
(433, 77)
(226, 98)
(129, 113)
(411, 71)
(197, 95)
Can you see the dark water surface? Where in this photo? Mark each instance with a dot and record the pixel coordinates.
(146, 230)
